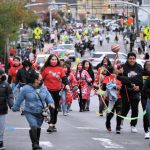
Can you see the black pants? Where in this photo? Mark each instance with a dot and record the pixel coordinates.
(54, 112)
(117, 107)
(145, 117)
(101, 104)
(101, 43)
(133, 103)
(82, 102)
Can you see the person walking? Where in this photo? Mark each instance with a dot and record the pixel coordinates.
(112, 86)
(131, 95)
(89, 68)
(54, 75)
(66, 96)
(6, 99)
(84, 80)
(12, 72)
(36, 96)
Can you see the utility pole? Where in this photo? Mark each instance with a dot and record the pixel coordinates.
(137, 19)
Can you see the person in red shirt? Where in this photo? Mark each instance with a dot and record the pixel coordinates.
(68, 95)
(112, 86)
(54, 75)
(12, 72)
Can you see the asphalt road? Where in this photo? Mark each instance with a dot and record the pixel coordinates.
(77, 131)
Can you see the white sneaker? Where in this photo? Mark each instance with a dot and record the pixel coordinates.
(65, 114)
(133, 129)
(147, 135)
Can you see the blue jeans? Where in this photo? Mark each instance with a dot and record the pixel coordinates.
(148, 110)
(63, 97)
(34, 120)
(2, 126)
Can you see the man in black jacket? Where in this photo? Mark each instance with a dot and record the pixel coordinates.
(6, 99)
(131, 95)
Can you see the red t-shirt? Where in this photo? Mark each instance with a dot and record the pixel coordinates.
(13, 72)
(109, 78)
(52, 77)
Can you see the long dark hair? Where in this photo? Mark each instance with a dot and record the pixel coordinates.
(47, 63)
(68, 68)
(77, 69)
(90, 70)
(90, 65)
(102, 63)
(145, 65)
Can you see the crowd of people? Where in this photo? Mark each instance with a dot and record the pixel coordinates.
(40, 93)
(119, 89)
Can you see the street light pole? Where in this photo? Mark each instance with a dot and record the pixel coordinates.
(50, 17)
(137, 19)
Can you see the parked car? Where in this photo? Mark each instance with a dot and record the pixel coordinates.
(98, 57)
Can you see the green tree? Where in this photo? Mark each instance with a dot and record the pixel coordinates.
(12, 15)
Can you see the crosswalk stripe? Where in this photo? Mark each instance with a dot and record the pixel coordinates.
(107, 143)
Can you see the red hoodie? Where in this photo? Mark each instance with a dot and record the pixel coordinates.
(13, 72)
(52, 77)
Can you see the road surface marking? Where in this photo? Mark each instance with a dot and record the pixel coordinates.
(26, 128)
(87, 128)
(107, 143)
(46, 144)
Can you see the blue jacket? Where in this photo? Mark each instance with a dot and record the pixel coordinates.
(32, 100)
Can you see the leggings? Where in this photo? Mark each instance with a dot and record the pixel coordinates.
(54, 112)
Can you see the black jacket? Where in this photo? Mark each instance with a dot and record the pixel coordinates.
(23, 76)
(6, 97)
(146, 87)
(131, 75)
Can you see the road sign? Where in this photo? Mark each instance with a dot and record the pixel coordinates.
(37, 32)
(147, 33)
(147, 30)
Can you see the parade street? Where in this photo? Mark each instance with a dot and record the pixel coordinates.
(77, 131)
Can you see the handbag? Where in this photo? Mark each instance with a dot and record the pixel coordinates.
(45, 111)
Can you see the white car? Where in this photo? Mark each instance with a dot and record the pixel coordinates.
(98, 57)
(41, 59)
(66, 50)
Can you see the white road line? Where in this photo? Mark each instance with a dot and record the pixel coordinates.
(107, 143)
(26, 128)
(46, 144)
(87, 128)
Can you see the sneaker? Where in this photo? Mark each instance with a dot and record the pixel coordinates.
(65, 114)
(22, 113)
(133, 129)
(108, 127)
(101, 114)
(51, 129)
(87, 109)
(147, 135)
(2, 146)
(117, 131)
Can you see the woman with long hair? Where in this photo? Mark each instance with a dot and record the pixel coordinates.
(84, 80)
(54, 75)
(89, 68)
(102, 72)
